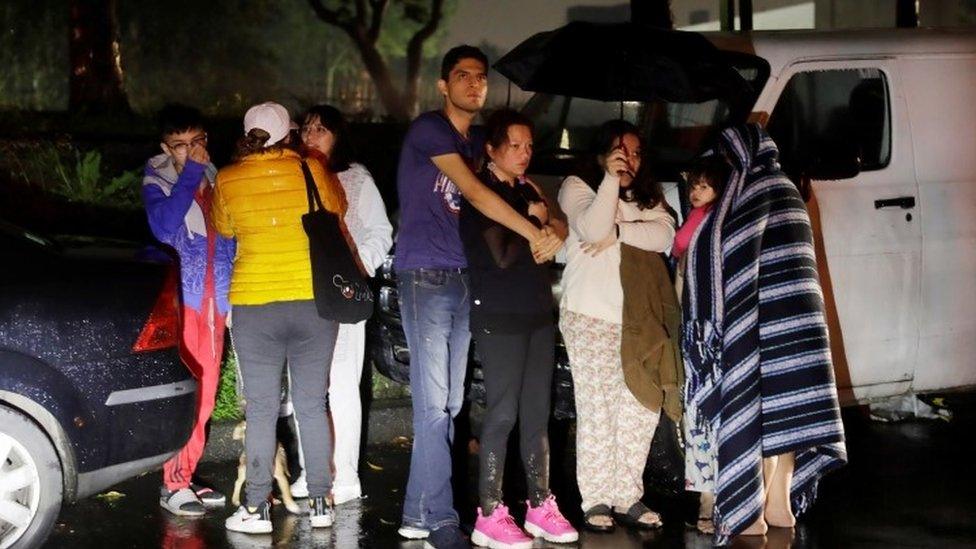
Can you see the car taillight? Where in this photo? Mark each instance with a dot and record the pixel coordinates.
(162, 329)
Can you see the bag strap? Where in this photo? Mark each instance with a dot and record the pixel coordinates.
(311, 190)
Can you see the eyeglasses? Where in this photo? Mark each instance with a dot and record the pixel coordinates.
(182, 146)
(314, 128)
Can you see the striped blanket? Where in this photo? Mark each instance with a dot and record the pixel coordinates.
(755, 343)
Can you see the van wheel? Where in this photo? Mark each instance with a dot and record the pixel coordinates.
(30, 482)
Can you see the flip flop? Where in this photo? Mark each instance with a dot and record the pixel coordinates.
(208, 496)
(598, 510)
(632, 517)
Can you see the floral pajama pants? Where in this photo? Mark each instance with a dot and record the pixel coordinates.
(613, 430)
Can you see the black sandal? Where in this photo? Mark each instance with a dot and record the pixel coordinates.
(631, 518)
(598, 510)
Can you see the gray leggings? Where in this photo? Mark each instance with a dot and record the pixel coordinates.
(266, 337)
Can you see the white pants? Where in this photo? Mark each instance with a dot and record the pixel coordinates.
(346, 409)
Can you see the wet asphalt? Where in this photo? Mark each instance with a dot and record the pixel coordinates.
(907, 485)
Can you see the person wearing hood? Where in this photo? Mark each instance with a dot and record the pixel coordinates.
(759, 372)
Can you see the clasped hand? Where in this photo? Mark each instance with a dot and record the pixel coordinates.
(546, 244)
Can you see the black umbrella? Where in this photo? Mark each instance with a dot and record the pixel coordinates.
(621, 62)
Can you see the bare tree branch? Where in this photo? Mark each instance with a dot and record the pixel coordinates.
(361, 10)
(331, 16)
(416, 44)
(379, 10)
(415, 50)
(399, 104)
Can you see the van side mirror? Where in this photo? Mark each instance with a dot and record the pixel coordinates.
(833, 161)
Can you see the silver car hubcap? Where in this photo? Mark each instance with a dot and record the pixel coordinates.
(20, 490)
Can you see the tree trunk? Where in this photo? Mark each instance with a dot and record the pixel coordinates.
(656, 13)
(415, 48)
(96, 66)
(364, 30)
(379, 71)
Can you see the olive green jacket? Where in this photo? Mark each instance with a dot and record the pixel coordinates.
(650, 348)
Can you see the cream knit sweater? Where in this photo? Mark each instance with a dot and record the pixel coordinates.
(591, 285)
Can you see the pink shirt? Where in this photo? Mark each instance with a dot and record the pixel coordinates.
(682, 239)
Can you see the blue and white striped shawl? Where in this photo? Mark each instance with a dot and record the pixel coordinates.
(755, 343)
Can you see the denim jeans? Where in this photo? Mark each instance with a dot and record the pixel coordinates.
(434, 307)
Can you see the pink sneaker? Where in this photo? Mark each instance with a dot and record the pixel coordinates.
(499, 531)
(547, 522)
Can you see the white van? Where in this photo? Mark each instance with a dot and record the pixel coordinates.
(881, 126)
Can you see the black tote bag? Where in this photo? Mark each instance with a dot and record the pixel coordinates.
(341, 290)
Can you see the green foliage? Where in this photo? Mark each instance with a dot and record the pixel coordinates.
(84, 182)
(403, 19)
(124, 184)
(240, 53)
(219, 56)
(84, 186)
(384, 387)
(34, 54)
(317, 61)
(61, 169)
(26, 161)
(228, 404)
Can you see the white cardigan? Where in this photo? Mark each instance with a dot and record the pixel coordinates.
(366, 217)
(591, 285)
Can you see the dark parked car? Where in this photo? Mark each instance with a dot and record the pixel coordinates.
(91, 393)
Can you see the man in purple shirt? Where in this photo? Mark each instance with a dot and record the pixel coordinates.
(440, 154)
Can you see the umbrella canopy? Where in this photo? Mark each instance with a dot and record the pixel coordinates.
(621, 62)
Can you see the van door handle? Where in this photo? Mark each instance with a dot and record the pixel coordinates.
(903, 202)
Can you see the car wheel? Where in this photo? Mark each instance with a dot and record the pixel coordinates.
(30, 482)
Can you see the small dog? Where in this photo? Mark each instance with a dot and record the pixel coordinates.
(280, 474)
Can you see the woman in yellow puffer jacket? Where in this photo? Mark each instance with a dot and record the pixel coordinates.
(259, 199)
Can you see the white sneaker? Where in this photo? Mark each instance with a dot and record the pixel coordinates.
(250, 522)
(413, 532)
(299, 488)
(320, 513)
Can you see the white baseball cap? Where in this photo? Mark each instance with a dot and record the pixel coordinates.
(270, 117)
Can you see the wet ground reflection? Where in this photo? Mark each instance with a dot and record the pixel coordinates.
(906, 485)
